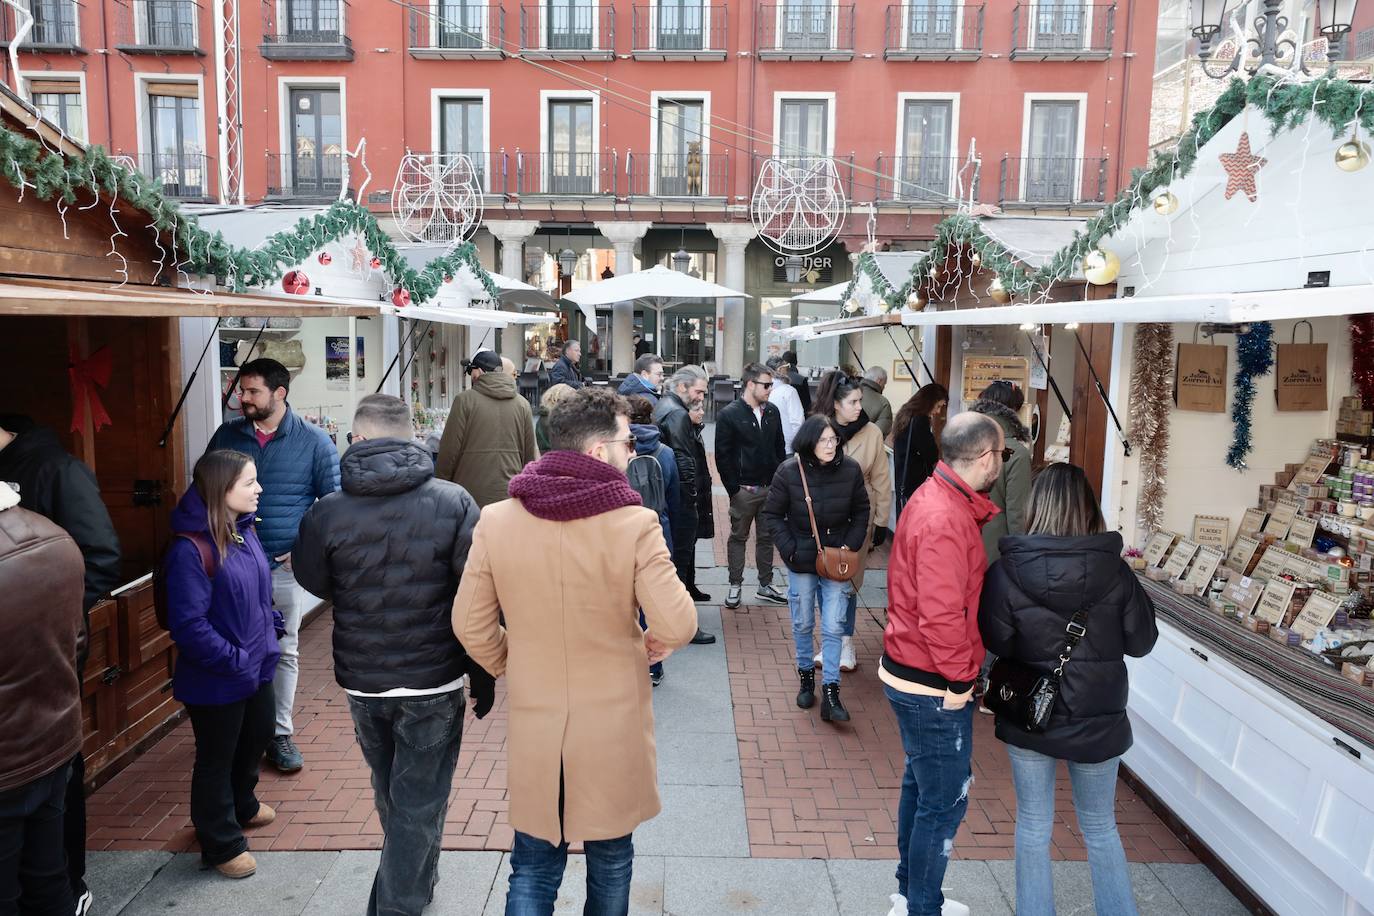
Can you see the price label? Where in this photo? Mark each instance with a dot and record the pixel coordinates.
(1178, 560)
(1252, 522)
(1275, 599)
(1302, 531)
(1158, 547)
(1316, 614)
(1214, 530)
(1272, 563)
(1242, 553)
(1204, 567)
(1280, 520)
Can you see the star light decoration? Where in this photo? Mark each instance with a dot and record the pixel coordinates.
(1242, 168)
(358, 257)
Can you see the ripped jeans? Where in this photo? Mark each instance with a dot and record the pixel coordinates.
(939, 747)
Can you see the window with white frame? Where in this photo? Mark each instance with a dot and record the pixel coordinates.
(571, 159)
(681, 167)
(1052, 163)
(806, 25)
(176, 155)
(803, 130)
(927, 144)
(60, 102)
(932, 24)
(462, 132)
(460, 23)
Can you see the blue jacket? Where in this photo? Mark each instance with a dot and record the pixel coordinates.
(298, 466)
(647, 442)
(225, 629)
(634, 384)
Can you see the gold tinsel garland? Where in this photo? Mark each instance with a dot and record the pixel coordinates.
(1151, 382)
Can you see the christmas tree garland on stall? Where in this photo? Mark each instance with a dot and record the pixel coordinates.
(27, 164)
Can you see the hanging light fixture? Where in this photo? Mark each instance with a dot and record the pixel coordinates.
(682, 261)
(792, 264)
(567, 258)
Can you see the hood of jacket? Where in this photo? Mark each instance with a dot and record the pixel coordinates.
(29, 438)
(497, 385)
(384, 467)
(846, 432)
(1006, 417)
(190, 514)
(1063, 573)
(635, 384)
(647, 438)
(870, 385)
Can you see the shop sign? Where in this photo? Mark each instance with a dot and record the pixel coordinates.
(1303, 531)
(1272, 563)
(1204, 567)
(1253, 521)
(816, 270)
(1158, 547)
(1242, 553)
(1281, 519)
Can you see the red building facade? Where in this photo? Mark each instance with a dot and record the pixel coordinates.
(637, 127)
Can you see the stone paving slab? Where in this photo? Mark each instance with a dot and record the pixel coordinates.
(115, 878)
(696, 821)
(1073, 889)
(1197, 890)
(646, 888)
(283, 886)
(864, 888)
(759, 887)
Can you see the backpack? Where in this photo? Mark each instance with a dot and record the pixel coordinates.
(208, 562)
(646, 478)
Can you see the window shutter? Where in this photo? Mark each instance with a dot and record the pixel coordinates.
(178, 90)
(62, 87)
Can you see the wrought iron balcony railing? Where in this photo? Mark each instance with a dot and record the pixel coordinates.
(54, 26)
(489, 168)
(674, 175)
(934, 31)
(565, 174)
(309, 30)
(557, 28)
(680, 31)
(315, 178)
(937, 180)
(1053, 30)
(457, 30)
(806, 31)
(1053, 181)
(159, 27)
(181, 176)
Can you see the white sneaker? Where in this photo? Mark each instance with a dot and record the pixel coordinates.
(954, 908)
(847, 660)
(898, 905)
(818, 659)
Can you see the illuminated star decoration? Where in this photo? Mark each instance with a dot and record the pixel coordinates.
(358, 257)
(1242, 169)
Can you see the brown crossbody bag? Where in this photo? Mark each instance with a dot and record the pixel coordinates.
(839, 564)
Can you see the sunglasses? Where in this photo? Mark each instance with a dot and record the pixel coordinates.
(628, 442)
(763, 384)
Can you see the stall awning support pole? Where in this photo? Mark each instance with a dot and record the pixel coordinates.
(1068, 414)
(898, 347)
(395, 359)
(414, 351)
(186, 389)
(1102, 393)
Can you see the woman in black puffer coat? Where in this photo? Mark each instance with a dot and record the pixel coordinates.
(840, 502)
(1063, 564)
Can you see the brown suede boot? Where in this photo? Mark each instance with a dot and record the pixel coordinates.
(265, 816)
(240, 866)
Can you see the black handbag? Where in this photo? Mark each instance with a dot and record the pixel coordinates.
(1024, 696)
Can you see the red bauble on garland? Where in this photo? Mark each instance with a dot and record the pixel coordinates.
(325, 258)
(400, 297)
(296, 283)
(1362, 356)
(376, 262)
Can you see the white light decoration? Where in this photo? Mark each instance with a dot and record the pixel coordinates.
(799, 206)
(437, 198)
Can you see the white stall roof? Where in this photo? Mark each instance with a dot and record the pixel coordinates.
(1032, 240)
(249, 227)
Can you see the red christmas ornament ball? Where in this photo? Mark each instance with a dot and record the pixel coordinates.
(296, 283)
(376, 263)
(326, 258)
(400, 297)
(448, 278)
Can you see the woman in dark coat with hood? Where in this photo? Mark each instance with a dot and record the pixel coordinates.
(914, 449)
(1064, 564)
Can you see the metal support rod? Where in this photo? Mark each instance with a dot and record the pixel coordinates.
(397, 358)
(1053, 384)
(1102, 393)
(186, 389)
(229, 392)
(906, 362)
(920, 355)
(415, 351)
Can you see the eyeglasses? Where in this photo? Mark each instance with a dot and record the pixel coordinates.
(628, 442)
(828, 440)
(1006, 453)
(764, 384)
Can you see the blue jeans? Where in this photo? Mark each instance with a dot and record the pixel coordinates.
(851, 612)
(1094, 801)
(536, 871)
(939, 747)
(802, 589)
(411, 745)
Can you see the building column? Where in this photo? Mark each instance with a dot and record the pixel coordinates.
(623, 236)
(734, 240)
(512, 233)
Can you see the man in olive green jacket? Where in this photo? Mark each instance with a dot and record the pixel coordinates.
(876, 405)
(1011, 492)
(489, 435)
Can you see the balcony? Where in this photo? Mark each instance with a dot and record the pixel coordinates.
(693, 175)
(180, 176)
(673, 31)
(816, 31)
(1062, 31)
(947, 31)
(490, 168)
(559, 31)
(935, 181)
(304, 179)
(844, 170)
(54, 27)
(158, 27)
(454, 30)
(1052, 181)
(310, 30)
(565, 174)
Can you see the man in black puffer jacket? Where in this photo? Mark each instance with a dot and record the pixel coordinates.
(388, 551)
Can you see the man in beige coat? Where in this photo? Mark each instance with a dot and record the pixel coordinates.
(582, 766)
(489, 434)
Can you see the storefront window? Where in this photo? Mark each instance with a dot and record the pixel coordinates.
(780, 314)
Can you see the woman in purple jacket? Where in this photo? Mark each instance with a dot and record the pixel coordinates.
(219, 611)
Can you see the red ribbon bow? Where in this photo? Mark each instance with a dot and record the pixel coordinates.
(86, 376)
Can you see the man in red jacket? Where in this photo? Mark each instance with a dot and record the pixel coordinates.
(932, 652)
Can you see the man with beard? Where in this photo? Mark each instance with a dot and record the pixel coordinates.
(297, 464)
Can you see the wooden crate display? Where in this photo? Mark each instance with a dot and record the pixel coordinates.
(99, 720)
(145, 685)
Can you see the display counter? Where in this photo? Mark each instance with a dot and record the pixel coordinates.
(1266, 754)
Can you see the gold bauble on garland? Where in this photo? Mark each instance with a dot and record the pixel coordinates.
(1165, 203)
(1352, 155)
(1101, 266)
(915, 301)
(999, 292)
(851, 306)
(976, 260)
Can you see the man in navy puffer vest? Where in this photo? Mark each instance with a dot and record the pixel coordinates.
(297, 464)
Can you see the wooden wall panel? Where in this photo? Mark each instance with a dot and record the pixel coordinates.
(33, 242)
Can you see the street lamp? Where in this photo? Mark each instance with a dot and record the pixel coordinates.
(567, 260)
(1270, 37)
(792, 264)
(1334, 19)
(682, 261)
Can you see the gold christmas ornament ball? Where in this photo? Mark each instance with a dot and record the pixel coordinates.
(976, 260)
(1352, 155)
(1101, 267)
(1165, 203)
(999, 292)
(915, 300)
(851, 305)
(935, 271)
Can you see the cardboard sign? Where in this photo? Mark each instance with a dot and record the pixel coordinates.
(1158, 547)
(1300, 377)
(1253, 522)
(1200, 382)
(1311, 471)
(1212, 529)
(1244, 592)
(1204, 566)
(1271, 564)
(1280, 520)
(1178, 560)
(1243, 553)
(1302, 532)
(1317, 613)
(1275, 599)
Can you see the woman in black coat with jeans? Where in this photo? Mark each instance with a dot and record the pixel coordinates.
(1063, 564)
(840, 503)
(914, 449)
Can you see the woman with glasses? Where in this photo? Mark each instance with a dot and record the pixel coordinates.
(840, 503)
(1002, 401)
(840, 398)
(1066, 569)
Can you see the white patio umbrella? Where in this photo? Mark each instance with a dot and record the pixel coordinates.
(830, 295)
(658, 288)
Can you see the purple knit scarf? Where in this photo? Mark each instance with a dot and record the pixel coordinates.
(563, 486)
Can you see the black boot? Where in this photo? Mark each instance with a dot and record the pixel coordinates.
(832, 710)
(806, 694)
(698, 595)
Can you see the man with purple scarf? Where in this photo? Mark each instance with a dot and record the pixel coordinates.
(581, 756)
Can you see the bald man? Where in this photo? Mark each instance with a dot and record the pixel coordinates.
(508, 367)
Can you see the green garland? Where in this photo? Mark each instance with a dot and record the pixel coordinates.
(26, 163)
(1286, 106)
